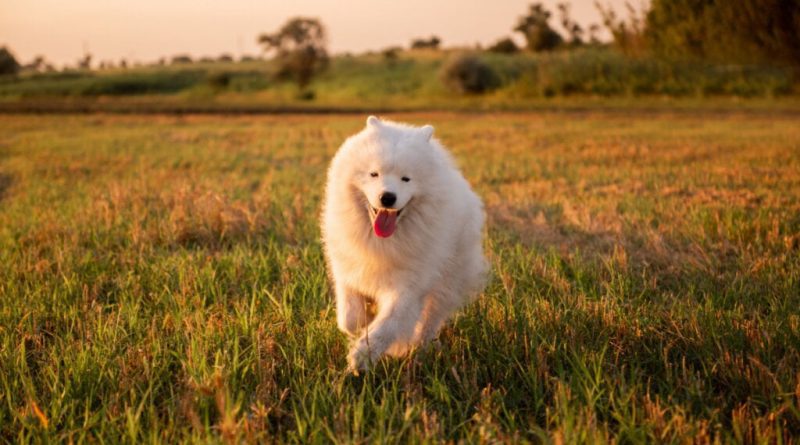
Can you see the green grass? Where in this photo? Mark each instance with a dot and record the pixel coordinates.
(412, 81)
(162, 280)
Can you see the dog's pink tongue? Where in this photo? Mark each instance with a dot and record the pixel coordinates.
(385, 223)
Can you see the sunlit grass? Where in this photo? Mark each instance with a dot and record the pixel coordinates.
(410, 81)
(162, 280)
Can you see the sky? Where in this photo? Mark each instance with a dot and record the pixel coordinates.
(145, 30)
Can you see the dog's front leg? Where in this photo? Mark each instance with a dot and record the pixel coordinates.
(351, 311)
(395, 321)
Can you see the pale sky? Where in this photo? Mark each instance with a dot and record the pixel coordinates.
(145, 30)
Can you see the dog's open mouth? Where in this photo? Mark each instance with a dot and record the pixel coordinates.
(384, 221)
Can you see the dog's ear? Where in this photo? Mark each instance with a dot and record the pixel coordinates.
(427, 132)
(373, 122)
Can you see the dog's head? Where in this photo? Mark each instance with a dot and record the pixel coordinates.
(391, 165)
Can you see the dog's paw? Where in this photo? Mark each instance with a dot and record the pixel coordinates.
(361, 356)
(358, 360)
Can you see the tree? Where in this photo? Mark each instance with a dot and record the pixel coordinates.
(37, 65)
(594, 28)
(8, 63)
(535, 27)
(299, 48)
(85, 62)
(574, 30)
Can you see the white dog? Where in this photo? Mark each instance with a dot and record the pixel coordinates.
(402, 233)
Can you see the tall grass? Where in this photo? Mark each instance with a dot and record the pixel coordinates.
(162, 281)
(609, 73)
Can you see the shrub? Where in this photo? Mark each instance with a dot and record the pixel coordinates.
(504, 46)
(218, 80)
(180, 59)
(391, 54)
(468, 73)
(432, 43)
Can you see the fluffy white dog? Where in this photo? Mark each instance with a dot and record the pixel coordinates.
(402, 233)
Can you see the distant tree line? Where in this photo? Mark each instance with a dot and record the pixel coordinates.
(721, 31)
(717, 31)
(539, 35)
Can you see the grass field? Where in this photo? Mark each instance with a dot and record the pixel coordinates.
(411, 81)
(162, 280)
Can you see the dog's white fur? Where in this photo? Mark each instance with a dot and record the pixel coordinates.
(402, 288)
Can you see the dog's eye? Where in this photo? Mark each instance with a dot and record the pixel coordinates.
(374, 174)
(405, 179)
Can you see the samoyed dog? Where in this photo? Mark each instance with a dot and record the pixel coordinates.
(402, 231)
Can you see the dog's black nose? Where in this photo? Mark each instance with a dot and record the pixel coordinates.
(388, 199)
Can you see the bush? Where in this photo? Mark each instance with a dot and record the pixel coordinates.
(432, 43)
(306, 95)
(468, 73)
(181, 59)
(391, 54)
(504, 46)
(218, 80)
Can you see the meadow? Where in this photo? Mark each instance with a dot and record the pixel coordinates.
(408, 80)
(162, 280)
